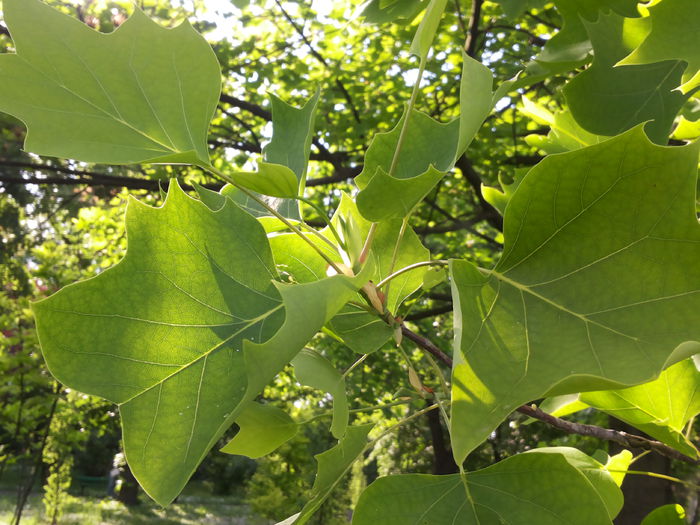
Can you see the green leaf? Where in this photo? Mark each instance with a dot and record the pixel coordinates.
(174, 332)
(673, 36)
(360, 330)
(314, 370)
(263, 428)
(618, 465)
(571, 44)
(565, 133)
(292, 132)
(500, 199)
(141, 94)
(283, 172)
(513, 9)
(429, 150)
(536, 487)
(275, 180)
(398, 11)
(600, 479)
(333, 464)
(608, 100)
(661, 408)
(423, 39)
(433, 277)
(672, 514)
(601, 258)
(561, 406)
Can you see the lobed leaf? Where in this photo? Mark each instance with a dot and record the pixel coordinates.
(428, 151)
(601, 259)
(608, 100)
(542, 486)
(263, 428)
(140, 94)
(661, 408)
(672, 37)
(314, 370)
(183, 332)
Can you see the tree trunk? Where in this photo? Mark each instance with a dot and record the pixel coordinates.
(444, 463)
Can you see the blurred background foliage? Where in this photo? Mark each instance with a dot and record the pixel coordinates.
(61, 221)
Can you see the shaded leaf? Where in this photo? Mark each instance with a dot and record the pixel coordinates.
(600, 258)
(333, 464)
(536, 487)
(397, 11)
(314, 370)
(263, 428)
(174, 332)
(360, 330)
(429, 150)
(607, 100)
(140, 94)
(571, 44)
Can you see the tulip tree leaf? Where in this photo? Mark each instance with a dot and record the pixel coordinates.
(396, 11)
(333, 464)
(292, 133)
(606, 99)
(275, 180)
(661, 408)
(535, 487)
(423, 39)
(571, 44)
(565, 134)
(360, 330)
(183, 332)
(672, 514)
(430, 149)
(263, 428)
(601, 258)
(314, 370)
(143, 93)
(672, 37)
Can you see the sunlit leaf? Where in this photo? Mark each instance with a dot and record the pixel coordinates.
(543, 487)
(141, 94)
(661, 408)
(607, 100)
(185, 330)
(601, 258)
(263, 428)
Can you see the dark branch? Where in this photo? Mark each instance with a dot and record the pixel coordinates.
(490, 213)
(322, 60)
(605, 434)
(473, 31)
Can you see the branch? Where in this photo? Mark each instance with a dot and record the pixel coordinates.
(490, 213)
(473, 32)
(322, 60)
(605, 434)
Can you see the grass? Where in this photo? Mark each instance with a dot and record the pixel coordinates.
(89, 510)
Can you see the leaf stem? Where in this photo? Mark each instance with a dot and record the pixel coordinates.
(439, 262)
(657, 475)
(354, 365)
(325, 219)
(225, 178)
